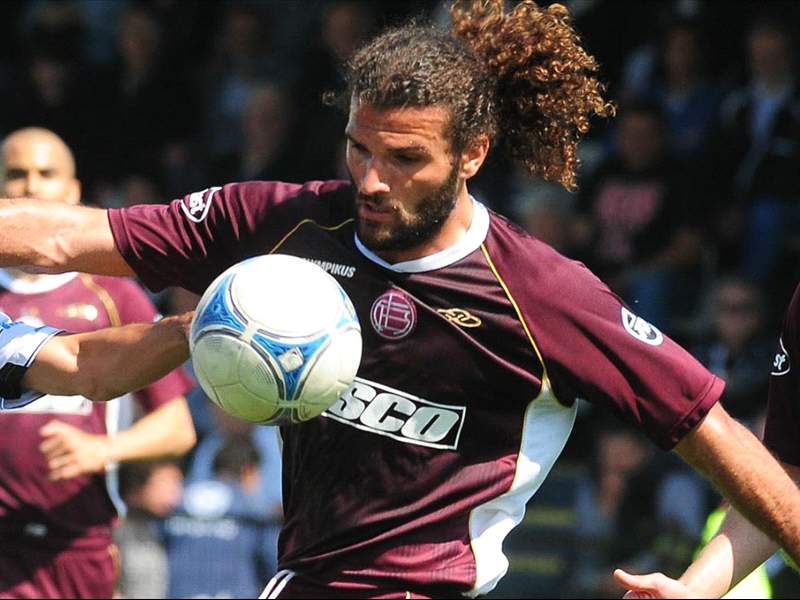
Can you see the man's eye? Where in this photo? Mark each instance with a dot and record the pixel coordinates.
(15, 174)
(406, 159)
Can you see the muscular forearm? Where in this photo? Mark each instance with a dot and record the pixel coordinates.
(753, 482)
(54, 237)
(166, 432)
(109, 362)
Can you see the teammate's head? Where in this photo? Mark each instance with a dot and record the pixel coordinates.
(425, 106)
(38, 164)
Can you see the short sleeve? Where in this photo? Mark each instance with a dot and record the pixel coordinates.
(191, 240)
(19, 345)
(596, 348)
(783, 420)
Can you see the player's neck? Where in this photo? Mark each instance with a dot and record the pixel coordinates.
(455, 227)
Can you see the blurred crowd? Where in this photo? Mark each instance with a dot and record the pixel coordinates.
(688, 207)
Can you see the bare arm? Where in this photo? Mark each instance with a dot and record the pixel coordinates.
(107, 363)
(747, 475)
(735, 552)
(54, 237)
(167, 432)
(766, 502)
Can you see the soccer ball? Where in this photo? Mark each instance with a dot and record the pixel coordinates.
(275, 340)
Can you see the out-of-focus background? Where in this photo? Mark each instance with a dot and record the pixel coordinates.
(688, 206)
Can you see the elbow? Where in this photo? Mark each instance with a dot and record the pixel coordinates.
(95, 390)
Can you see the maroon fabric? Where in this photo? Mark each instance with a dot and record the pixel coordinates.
(76, 512)
(783, 416)
(364, 502)
(37, 573)
(299, 587)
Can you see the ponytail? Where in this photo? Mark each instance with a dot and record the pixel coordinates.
(546, 88)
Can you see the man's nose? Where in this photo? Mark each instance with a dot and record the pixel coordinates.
(371, 182)
(32, 184)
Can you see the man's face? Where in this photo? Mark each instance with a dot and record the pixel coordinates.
(404, 172)
(37, 167)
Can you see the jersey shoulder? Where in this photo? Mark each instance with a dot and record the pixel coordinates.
(521, 256)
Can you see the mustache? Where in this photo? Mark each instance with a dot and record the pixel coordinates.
(378, 200)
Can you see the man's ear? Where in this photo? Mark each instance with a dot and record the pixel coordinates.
(473, 156)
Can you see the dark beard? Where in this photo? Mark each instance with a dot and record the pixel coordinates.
(427, 222)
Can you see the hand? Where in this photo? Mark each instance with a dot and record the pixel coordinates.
(654, 585)
(71, 452)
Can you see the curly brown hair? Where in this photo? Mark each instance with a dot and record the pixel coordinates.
(522, 75)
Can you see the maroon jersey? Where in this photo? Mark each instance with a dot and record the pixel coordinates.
(473, 358)
(77, 512)
(783, 412)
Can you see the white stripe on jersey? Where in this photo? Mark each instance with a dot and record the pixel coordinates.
(277, 583)
(545, 432)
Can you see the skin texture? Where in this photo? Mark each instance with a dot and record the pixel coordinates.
(400, 160)
(38, 164)
(728, 558)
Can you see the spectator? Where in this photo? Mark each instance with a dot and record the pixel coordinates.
(219, 542)
(688, 98)
(264, 438)
(637, 225)
(265, 150)
(737, 349)
(627, 513)
(151, 491)
(759, 150)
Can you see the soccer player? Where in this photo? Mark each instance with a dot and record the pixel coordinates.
(477, 337)
(740, 547)
(57, 455)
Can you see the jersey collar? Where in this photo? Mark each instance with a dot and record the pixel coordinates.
(40, 285)
(471, 241)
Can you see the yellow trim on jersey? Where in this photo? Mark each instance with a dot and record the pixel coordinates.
(517, 310)
(105, 298)
(303, 222)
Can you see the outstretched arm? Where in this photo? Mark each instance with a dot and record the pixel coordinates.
(53, 237)
(756, 484)
(107, 363)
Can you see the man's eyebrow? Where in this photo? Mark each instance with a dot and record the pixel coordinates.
(410, 149)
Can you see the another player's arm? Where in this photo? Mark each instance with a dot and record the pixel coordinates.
(759, 489)
(55, 237)
(735, 552)
(166, 432)
(107, 363)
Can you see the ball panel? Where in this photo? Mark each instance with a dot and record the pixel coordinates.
(302, 303)
(275, 340)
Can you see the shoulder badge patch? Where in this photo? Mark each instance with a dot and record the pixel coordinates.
(781, 365)
(197, 204)
(641, 329)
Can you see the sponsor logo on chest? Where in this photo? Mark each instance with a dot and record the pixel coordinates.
(382, 410)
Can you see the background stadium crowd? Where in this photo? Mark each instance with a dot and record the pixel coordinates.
(688, 206)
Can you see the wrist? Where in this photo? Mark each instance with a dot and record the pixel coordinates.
(109, 450)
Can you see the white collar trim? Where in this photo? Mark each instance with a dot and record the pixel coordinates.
(40, 285)
(471, 241)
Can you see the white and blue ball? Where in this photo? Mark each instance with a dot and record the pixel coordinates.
(275, 340)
